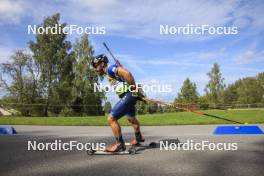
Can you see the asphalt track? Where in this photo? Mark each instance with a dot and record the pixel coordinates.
(15, 159)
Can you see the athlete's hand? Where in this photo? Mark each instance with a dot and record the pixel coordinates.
(138, 91)
(134, 90)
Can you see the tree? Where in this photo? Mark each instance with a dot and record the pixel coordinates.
(159, 109)
(188, 92)
(260, 80)
(84, 98)
(52, 53)
(230, 93)
(152, 108)
(203, 102)
(107, 107)
(215, 87)
(141, 107)
(20, 79)
(249, 91)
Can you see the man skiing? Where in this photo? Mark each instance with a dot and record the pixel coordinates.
(126, 89)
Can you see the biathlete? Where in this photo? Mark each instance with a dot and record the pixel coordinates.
(125, 87)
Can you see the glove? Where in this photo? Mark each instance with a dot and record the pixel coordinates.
(139, 93)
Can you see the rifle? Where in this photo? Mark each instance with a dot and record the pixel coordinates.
(116, 60)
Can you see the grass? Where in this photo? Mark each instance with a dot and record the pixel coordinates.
(176, 118)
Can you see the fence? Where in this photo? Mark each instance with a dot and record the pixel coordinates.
(84, 110)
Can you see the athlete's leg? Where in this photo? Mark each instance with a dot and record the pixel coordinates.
(135, 123)
(116, 129)
(131, 116)
(117, 112)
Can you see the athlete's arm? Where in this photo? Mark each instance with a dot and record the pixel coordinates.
(122, 72)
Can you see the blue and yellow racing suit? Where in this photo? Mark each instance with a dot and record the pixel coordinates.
(127, 102)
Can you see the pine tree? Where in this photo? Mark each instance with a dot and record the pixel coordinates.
(85, 100)
(188, 93)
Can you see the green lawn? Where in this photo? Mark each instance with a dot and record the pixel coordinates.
(177, 118)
